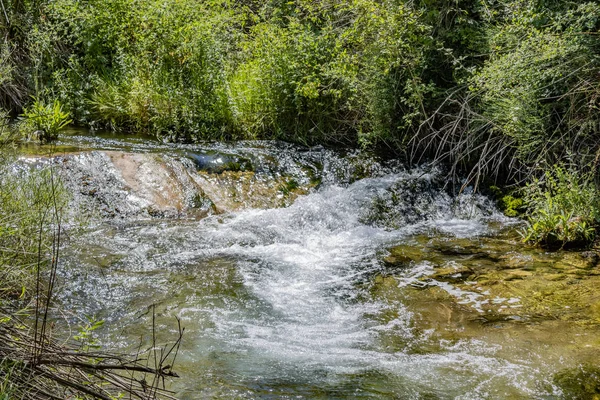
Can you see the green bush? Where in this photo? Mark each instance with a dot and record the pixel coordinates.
(563, 209)
(526, 88)
(512, 206)
(523, 90)
(150, 66)
(331, 72)
(303, 71)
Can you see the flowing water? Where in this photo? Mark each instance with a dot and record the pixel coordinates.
(292, 302)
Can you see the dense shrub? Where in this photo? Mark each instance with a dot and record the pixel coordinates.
(536, 89)
(564, 209)
(151, 67)
(491, 88)
(332, 71)
(524, 89)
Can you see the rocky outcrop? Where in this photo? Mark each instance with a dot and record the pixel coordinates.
(115, 184)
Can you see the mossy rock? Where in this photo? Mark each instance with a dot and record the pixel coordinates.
(403, 255)
(518, 274)
(585, 260)
(582, 383)
(385, 281)
(452, 272)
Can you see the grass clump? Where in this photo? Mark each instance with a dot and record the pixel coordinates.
(563, 209)
(36, 360)
(31, 204)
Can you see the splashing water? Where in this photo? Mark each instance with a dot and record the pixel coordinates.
(278, 303)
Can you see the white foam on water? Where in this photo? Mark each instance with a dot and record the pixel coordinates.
(300, 314)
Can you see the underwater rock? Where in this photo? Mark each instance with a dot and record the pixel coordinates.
(581, 383)
(403, 255)
(452, 272)
(503, 276)
(584, 260)
(518, 274)
(218, 162)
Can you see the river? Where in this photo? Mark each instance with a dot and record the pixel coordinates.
(285, 280)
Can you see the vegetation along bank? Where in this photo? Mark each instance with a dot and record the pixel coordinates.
(502, 91)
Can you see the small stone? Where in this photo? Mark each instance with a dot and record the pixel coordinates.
(453, 273)
(403, 255)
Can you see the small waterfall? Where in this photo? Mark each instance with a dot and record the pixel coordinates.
(276, 259)
(277, 299)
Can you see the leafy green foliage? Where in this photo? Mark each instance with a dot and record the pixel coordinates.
(46, 119)
(512, 206)
(331, 72)
(85, 335)
(564, 209)
(152, 67)
(7, 134)
(529, 83)
(490, 87)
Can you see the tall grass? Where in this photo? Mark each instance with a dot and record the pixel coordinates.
(31, 202)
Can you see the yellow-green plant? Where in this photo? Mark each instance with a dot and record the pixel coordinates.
(85, 335)
(512, 206)
(46, 118)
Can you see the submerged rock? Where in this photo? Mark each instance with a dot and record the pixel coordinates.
(233, 191)
(404, 255)
(452, 272)
(217, 162)
(584, 260)
(503, 277)
(581, 383)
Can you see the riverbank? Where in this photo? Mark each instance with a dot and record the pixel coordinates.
(498, 91)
